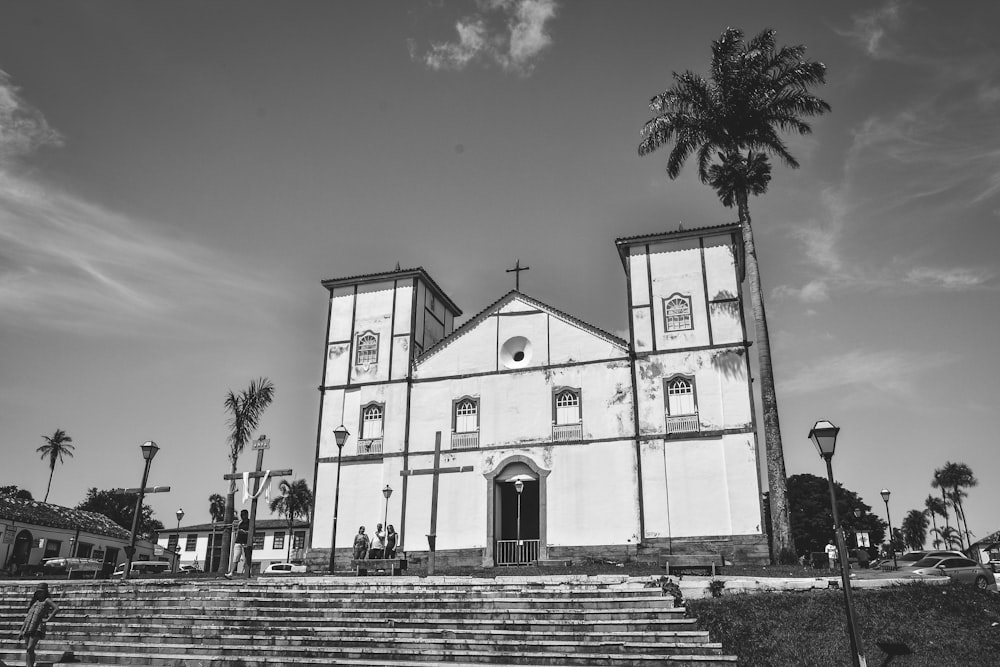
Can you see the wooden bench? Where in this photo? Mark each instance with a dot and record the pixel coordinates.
(692, 561)
(392, 565)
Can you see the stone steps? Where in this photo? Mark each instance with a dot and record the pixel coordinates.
(258, 623)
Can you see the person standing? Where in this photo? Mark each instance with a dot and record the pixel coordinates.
(391, 538)
(361, 544)
(831, 554)
(40, 611)
(378, 545)
(241, 529)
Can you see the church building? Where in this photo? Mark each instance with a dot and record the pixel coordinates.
(551, 438)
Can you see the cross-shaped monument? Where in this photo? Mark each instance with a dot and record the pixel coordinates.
(258, 475)
(517, 273)
(436, 470)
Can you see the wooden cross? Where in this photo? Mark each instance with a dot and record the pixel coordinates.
(517, 273)
(141, 491)
(260, 444)
(436, 470)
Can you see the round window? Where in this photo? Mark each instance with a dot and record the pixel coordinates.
(516, 352)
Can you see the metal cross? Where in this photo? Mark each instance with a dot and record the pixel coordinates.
(517, 273)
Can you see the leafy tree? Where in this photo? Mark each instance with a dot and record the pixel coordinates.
(914, 529)
(120, 508)
(812, 518)
(217, 507)
(12, 490)
(245, 410)
(294, 502)
(951, 537)
(755, 91)
(55, 448)
(935, 507)
(953, 479)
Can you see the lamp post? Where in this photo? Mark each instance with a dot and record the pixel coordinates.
(340, 433)
(177, 556)
(519, 487)
(885, 497)
(824, 436)
(149, 449)
(387, 491)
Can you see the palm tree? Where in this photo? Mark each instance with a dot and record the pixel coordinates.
(55, 448)
(245, 410)
(952, 478)
(935, 507)
(915, 529)
(294, 502)
(951, 537)
(755, 90)
(217, 507)
(936, 483)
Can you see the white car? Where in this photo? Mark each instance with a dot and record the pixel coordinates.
(285, 568)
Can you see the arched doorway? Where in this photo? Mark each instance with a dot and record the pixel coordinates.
(516, 512)
(22, 549)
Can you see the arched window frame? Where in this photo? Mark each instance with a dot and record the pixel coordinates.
(367, 348)
(366, 431)
(680, 319)
(561, 391)
(689, 379)
(456, 405)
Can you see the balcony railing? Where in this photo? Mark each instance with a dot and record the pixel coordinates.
(465, 440)
(512, 552)
(563, 432)
(683, 424)
(370, 446)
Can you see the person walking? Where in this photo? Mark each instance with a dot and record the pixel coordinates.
(391, 538)
(831, 554)
(40, 611)
(361, 543)
(241, 529)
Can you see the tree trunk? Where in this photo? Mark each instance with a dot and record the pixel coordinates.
(227, 529)
(960, 515)
(781, 531)
(937, 537)
(52, 470)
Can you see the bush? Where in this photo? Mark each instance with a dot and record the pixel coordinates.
(944, 626)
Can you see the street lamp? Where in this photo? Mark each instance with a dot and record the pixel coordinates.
(177, 556)
(387, 491)
(519, 487)
(824, 436)
(149, 449)
(340, 433)
(885, 497)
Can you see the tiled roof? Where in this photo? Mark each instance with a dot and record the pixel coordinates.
(989, 540)
(496, 305)
(393, 275)
(38, 513)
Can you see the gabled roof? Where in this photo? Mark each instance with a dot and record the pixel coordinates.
(624, 243)
(37, 513)
(494, 307)
(417, 272)
(988, 541)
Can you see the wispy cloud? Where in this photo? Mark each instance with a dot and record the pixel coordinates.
(871, 29)
(867, 374)
(509, 33)
(71, 264)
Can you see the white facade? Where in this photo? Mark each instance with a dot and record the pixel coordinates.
(649, 441)
(275, 543)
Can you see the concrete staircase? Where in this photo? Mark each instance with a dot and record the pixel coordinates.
(402, 621)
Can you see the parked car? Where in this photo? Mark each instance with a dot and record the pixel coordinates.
(144, 567)
(188, 569)
(285, 568)
(909, 560)
(957, 568)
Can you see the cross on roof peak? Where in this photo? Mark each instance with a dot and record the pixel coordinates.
(517, 273)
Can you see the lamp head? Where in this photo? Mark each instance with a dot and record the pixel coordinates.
(180, 514)
(341, 433)
(519, 486)
(387, 491)
(824, 436)
(885, 495)
(149, 449)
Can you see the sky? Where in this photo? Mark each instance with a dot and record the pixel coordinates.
(176, 178)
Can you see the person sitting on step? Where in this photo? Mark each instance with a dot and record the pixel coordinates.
(361, 544)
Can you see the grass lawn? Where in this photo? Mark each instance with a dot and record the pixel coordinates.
(952, 625)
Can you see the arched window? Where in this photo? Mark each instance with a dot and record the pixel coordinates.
(371, 422)
(466, 416)
(680, 397)
(567, 407)
(677, 313)
(367, 348)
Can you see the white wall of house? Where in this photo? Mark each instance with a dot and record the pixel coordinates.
(59, 542)
(194, 546)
